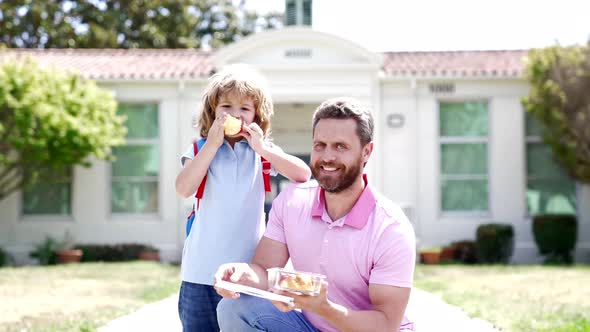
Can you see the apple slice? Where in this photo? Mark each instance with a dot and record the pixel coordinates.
(232, 126)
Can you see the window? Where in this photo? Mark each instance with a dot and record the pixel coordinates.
(48, 197)
(290, 13)
(549, 189)
(464, 156)
(134, 179)
(307, 12)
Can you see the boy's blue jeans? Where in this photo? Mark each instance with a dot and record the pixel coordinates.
(196, 307)
(249, 313)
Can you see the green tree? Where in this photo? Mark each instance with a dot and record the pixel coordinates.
(559, 98)
(50, 121)
(128, 23)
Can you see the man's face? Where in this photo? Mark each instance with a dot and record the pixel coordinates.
(337, 157)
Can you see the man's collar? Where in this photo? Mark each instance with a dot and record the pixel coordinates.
(358, 216)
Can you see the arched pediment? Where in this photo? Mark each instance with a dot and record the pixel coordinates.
(295, 46)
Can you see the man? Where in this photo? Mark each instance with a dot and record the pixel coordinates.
(337, 226)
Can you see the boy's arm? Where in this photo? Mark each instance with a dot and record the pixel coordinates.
(287, 165)
(193, 171)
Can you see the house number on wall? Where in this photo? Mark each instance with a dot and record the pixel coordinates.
(442, 88)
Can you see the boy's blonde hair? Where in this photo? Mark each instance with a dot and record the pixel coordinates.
(243, 81)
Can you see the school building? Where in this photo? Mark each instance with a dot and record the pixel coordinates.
(453, 145)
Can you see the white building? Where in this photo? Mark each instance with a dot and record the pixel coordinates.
(452, 142)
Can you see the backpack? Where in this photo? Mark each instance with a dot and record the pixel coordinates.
(199, 194)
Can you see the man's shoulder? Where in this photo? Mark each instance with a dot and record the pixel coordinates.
(309, 186)
(302, 193)
(390, 212)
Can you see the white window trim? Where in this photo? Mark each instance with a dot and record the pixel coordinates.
(471, 214)
(150, 216)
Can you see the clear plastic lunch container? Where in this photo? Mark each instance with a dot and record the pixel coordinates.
(305, 283)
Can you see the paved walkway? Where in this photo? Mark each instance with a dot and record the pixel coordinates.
(428, 311)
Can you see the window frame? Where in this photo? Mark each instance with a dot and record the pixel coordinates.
(442, 140)
(149, 216)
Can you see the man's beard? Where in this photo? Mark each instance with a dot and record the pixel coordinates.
(336, 184)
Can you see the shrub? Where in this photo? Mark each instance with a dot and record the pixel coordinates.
(45, 251)
(4, 257)
(111, 253)
(465, 251)
(556, 235)
(494, 243)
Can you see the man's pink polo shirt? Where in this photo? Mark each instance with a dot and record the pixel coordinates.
(373, 244)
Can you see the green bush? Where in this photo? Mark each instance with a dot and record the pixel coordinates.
(494, 243)
(556, 235)
(465, 251)
(45, 251)
(111, 253)
(5, 258)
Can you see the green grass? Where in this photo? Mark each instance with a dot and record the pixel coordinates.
(515, 298)
(80, 297)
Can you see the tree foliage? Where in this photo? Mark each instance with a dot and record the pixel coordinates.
(128, 23)
(560, 99)
(50, 121)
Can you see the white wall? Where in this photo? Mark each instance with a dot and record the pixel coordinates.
(411, 162)
(91, 220)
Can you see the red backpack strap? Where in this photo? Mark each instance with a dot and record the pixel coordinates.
(199, 193)
(266, 173)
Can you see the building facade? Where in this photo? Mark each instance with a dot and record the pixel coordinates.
(453, 145)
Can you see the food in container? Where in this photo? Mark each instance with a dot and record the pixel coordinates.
(305, 283)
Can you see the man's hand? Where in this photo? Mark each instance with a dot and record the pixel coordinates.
(304, 302)
(239, 273)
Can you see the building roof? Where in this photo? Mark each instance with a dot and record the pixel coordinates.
(455, 63)
(157, 64)
(141, 64)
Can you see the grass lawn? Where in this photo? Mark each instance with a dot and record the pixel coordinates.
(79, 297)
(515, 298)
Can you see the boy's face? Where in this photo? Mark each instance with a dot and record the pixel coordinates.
(241, 108)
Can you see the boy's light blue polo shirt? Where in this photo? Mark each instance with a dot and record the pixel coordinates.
(230, 219)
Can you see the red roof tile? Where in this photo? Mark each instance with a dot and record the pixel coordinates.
(143, 64)
(454, 64)
(151, 64)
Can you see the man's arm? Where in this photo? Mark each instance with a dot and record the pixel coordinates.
(269, 253)
(389, 305)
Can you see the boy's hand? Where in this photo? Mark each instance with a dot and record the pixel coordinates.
(254, 136)
(216, 135)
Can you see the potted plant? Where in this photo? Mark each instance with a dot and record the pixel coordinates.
(448, 253)
(67, 253)
(149, 253)
(430, 255)
(44, 252)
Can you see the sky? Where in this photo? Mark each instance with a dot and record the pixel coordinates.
(444, 25)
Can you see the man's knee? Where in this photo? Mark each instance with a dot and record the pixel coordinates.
(235, 307)
(244, 307)
(226, 308)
